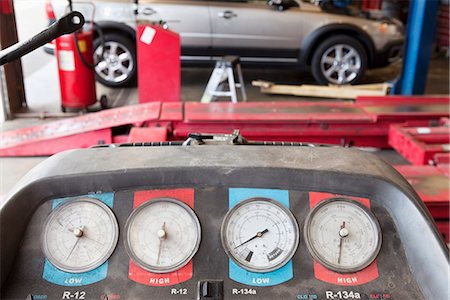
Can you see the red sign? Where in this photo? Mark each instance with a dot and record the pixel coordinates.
(350, 279)
(158, 50)
(140, 275)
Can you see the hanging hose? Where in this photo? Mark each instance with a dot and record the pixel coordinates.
(77, 46)
(103, 99)
(102, 45)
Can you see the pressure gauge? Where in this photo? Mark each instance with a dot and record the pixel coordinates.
(260, 234)
(80, 235)
(162, 235)
(343, 235)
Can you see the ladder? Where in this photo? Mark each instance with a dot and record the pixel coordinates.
(224, 71)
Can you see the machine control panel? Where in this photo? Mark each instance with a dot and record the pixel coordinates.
(226, 243)
(218, 223)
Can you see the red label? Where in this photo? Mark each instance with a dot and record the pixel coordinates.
(184, 195)
(350, 279)
(140, 275)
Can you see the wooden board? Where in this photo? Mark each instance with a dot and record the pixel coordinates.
(332, 91)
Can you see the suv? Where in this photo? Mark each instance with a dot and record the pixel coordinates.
(337, 48)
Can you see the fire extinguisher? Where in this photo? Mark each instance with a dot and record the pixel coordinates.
(76, 70)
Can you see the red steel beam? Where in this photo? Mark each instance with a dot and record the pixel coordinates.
(364, 123)
(78, 132)
(419, 145)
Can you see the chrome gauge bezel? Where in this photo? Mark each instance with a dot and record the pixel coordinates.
(287, 212)
(56, 211)
(141, 263)
(313, 251)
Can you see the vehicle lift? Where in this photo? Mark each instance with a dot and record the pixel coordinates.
(380, 122)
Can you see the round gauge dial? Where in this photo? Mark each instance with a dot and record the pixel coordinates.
(343, 235)
(162, 235)
(260, 234)
(80, 235)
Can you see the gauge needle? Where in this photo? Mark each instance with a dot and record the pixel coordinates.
(343, 232)
(257, 235)
(91, 239)
(162, 236)
(78, 232)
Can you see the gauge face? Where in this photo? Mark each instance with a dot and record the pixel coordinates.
(162, 235)
(260, 235)
(80, 235)
(343, 235)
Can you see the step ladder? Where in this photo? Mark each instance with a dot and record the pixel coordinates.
(224, 71)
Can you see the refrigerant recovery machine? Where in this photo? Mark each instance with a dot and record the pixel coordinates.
(215, 220)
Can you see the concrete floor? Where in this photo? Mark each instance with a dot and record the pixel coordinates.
(41, 85)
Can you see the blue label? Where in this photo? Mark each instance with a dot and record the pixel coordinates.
(59, 277)
(107, 198)
(56, 276)
(237, 195)
(241, 275)
(278, 276)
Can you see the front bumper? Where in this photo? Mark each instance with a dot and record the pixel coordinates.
(391, 52)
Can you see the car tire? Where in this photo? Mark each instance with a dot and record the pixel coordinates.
(339, 60)
(118, 66)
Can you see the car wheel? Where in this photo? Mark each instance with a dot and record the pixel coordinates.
(115, 66)
(339, 60)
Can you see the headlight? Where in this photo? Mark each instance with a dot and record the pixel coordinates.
(390, 29)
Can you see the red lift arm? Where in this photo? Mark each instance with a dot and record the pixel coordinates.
(363, 123)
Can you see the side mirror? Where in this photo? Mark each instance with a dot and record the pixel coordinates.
(281, 5)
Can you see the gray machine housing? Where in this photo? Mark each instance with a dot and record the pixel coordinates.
(328, 169)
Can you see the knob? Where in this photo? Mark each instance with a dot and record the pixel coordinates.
(210, 289)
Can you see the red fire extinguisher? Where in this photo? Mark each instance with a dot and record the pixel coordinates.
(76, 78)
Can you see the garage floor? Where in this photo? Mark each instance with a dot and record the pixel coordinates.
(41, 84)
(45, 97)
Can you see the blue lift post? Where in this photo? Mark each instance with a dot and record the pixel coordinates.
(421, 31)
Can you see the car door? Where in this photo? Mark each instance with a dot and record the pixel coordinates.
(254, 29)
(189, 18)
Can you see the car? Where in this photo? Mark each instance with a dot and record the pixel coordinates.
(337, 48)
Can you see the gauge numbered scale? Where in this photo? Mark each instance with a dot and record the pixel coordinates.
(162, 235)
(80, 235)
(343, 235)
(260, 235)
